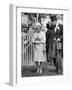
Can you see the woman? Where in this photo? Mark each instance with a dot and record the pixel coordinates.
(39, 43)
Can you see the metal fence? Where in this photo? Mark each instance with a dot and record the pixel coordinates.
(27, 49)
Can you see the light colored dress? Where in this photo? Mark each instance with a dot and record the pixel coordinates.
(39, 40)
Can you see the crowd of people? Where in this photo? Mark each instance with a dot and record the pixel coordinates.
(47, 37)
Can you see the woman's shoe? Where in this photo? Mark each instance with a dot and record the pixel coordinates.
(40, 70)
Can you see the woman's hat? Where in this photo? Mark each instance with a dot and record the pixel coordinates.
(37, 24)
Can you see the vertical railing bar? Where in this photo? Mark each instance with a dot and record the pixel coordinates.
(27, 49)
(31, 52)
(22, 50)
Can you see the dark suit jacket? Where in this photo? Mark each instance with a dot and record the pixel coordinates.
(49, 40)
(49, 36)
(59, 33)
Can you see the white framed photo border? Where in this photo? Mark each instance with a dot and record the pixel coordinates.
(15, 47)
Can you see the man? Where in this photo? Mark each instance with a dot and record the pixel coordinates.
(59, 35)
(49, 40)
(59, 43)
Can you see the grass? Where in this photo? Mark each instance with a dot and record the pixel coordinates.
(48, 70)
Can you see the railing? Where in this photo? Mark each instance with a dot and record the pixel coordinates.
(27, 49)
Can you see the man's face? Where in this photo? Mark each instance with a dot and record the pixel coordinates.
(48, 19)
(60, 21)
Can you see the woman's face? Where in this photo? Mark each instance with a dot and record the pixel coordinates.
(38, 27)
(38, 31)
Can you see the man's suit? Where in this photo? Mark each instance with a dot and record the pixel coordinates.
(49, 38)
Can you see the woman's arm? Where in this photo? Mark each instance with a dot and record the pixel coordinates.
(43, 38)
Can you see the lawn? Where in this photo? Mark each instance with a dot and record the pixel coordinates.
(48, 70)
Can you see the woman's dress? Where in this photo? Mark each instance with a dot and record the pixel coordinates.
(39, 43)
